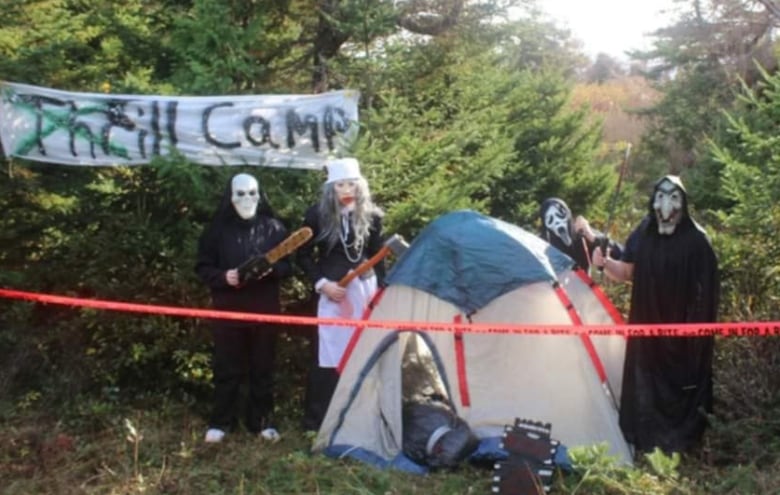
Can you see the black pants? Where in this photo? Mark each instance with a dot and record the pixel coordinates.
(243, 353)
(320, 385)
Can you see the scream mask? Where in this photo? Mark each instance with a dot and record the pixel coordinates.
(557, 220)
(668, 204)
(245, 195)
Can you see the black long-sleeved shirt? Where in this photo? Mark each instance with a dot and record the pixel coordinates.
(317, 261)
(226, 246)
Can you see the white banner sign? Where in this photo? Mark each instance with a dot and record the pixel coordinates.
(297, 131)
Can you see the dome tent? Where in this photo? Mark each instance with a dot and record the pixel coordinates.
(467, 267)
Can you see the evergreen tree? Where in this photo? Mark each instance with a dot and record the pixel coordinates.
(698, 63)
(470, 115)
(750, 180)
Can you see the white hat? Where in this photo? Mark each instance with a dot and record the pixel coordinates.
(342, 169)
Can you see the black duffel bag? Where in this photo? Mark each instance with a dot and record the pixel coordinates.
(435, 436)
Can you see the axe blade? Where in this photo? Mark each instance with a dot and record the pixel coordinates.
(397, 245)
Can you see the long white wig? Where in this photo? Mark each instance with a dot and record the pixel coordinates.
(330, 213)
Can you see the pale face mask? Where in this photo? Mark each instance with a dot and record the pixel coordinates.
(556, 220)
(245, 195)
(668, 205)
(346, 190)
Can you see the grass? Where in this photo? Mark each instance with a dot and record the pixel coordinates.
(162, 452)
(106, 443)
(122, 450)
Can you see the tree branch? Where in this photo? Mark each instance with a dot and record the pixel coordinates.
(772, 7)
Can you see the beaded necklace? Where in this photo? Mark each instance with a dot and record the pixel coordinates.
(357, 244)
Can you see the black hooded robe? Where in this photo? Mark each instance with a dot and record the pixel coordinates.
(667, 381)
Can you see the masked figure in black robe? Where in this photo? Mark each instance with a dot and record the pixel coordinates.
(243, 227)
(667, 381)
(572, 236)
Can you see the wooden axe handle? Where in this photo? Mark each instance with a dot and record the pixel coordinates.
(365, 266)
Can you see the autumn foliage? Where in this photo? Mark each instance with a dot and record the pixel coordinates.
(616, 102)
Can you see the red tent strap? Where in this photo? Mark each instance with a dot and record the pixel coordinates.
(359, 330)
(601, 296)
(577, 321)
(460, 361)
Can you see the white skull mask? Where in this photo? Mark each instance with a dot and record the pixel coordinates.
(556, 220)
(668, 206)
(245, 195)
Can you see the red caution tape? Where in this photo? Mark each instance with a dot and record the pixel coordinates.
(744, 329)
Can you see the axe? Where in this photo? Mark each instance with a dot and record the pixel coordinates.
(394, 244)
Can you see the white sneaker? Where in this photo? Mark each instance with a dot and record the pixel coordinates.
(214, 435)
(271, 435)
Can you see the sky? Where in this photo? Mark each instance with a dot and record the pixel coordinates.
(609, 26)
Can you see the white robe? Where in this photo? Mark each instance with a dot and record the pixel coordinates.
(333, 339)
